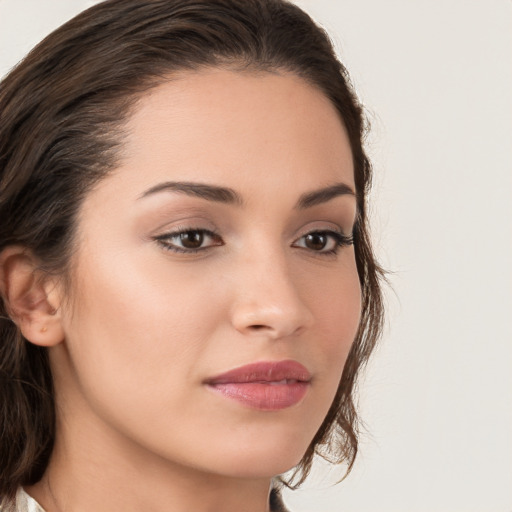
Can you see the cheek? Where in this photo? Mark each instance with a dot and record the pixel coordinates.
(337, 310)
(135, 329)
(335, 299)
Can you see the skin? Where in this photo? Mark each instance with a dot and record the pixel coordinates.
(143, 328)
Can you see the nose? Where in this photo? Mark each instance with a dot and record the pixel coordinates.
(268, 302)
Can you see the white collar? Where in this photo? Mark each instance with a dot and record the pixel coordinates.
(25, 503)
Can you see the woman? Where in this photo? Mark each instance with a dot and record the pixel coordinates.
(189, 290)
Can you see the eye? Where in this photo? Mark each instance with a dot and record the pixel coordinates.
(326, 242)
(189, 240)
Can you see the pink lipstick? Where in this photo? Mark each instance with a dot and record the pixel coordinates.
(268, 386)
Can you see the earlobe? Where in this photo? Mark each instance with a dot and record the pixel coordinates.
(24, 290)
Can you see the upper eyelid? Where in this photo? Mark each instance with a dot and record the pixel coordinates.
(183, 223)
(185, 229)
(166, 231)
(334, 228)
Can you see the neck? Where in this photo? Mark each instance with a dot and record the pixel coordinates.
(104, 472)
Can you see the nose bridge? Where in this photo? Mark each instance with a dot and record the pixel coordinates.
(268, 301)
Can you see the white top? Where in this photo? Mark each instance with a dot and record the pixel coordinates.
(25, 503)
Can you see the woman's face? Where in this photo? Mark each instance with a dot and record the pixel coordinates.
(221, 241)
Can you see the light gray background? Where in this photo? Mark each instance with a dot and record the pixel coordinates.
(436, 77)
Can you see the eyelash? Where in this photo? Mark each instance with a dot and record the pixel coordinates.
(340, 240)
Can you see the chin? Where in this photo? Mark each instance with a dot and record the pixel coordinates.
(265, 459)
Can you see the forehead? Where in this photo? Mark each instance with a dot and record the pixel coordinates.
(227, 127)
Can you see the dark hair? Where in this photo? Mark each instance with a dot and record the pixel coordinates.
(62, 111)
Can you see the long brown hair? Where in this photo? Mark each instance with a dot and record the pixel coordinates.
(62, 111)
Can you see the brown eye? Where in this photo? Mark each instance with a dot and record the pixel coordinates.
(189, 240)
(192, 239)
(323, 242)
(316, 241)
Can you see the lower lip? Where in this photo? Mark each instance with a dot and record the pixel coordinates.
(264, 396)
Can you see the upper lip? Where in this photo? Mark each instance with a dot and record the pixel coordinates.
(265, 371)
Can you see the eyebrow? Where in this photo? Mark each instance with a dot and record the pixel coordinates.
(229, 196)
(323, 195)
(202, 190)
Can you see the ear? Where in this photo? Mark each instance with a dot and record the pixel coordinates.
(31, 297)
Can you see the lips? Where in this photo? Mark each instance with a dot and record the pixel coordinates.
(267, 386)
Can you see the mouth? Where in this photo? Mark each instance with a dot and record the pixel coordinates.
(267, 386)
